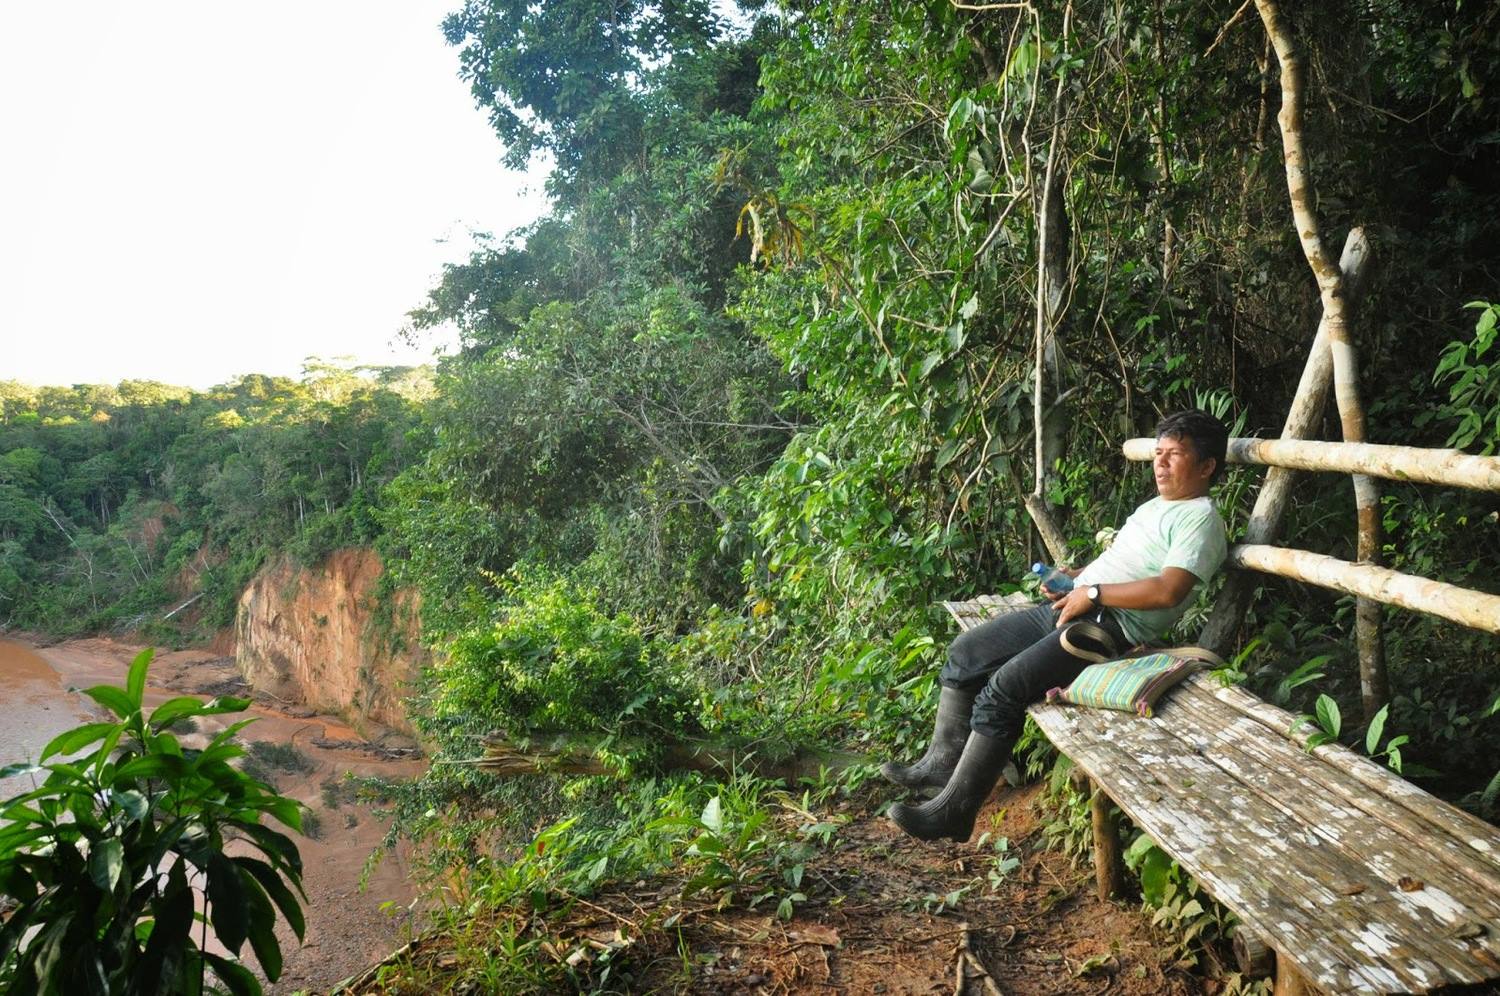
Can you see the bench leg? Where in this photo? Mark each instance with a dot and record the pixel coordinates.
(1109, 866)
(1252, 955)
(1290, 982)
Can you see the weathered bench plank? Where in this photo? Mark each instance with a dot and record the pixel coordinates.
(1275, 756)
(1358, 879)
(1242, 849)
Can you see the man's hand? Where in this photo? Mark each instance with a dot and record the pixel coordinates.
(1053, 596)
(1072, 605)
(1165, 590)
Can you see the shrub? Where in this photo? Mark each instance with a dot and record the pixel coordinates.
(108, 855)
(552, 662)
(282, 757)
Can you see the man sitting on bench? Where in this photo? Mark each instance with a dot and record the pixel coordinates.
(1130, 595)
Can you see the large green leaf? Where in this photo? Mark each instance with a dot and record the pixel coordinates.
(45, 953)
(105, 861)
(228, 732)
(228, 911)
(156, 971)
(106, 750)
(1377, 727)
(48, 795)
(135, 678)
(16, 810)
(134, 804)
(16, 836)
(112, 698)
(269, 880)
(76, 739)
(262, 926)
(174, 709)
(150, 766)
(18, 925)
(216, 754)
(276, 846)
(239, 979)
(286, 810)
(1328, 715)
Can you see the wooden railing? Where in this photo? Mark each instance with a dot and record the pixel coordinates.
(1400, 463)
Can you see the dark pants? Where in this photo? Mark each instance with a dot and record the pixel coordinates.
(1011, 662)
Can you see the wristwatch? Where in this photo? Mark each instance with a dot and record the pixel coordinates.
(1093, 593)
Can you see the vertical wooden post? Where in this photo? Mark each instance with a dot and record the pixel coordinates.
(1109, 866)
(1290, 982)
(1252, 955)
(1303, 418)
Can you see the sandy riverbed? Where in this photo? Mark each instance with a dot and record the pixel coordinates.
(346, 929)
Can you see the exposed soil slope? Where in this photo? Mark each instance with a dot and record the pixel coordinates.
(305, 635)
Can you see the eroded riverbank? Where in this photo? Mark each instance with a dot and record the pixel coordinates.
(346, 927)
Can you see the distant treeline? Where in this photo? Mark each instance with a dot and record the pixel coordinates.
(118, 503)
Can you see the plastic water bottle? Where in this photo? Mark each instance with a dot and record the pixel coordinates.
(1052, 579)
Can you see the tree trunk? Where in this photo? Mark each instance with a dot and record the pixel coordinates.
(576, 754)
(1374, 691)
(1271, 502)
(1052, 537)
(1049, 423)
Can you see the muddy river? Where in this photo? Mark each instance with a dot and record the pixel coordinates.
(36, 709)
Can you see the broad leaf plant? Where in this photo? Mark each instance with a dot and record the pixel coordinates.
(117, 863)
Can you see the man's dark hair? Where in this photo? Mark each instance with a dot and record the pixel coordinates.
(1207, 434)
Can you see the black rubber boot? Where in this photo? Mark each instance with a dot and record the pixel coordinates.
(948, 736)
(952, 813)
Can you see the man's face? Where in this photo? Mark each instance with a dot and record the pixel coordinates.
(1179, 472)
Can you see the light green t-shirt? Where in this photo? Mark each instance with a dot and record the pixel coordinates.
(1188, 534)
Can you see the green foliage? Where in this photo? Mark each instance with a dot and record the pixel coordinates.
(119, 504)
(1069, 826)
(551, 661)
(743, 843)
(105, 856)
(1002, 864)
(1191, 917)
(1474, 386)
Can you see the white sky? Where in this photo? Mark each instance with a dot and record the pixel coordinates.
(192, 191)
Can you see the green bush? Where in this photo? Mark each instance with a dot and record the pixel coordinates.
(107, 857)
(553, 661)
(283, 757)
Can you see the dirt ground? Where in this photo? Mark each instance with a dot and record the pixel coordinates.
(879, 929)
(346, 927)
(876, 922)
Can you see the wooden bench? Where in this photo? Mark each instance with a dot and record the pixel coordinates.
(1345, 877)
(1358, 880)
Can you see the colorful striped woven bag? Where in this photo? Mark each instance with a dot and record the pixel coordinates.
(1134, 684)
